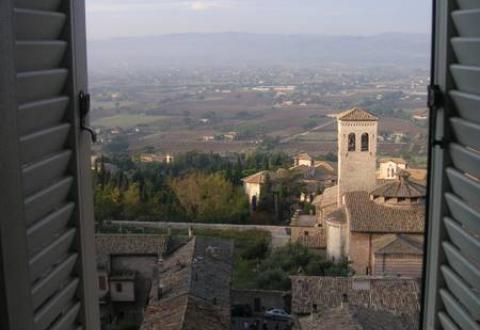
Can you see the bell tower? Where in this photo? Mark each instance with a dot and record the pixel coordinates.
(357, 151)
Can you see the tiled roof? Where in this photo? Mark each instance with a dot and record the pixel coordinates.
(367, 216)
(328, 197)
(337, 216)
(392, 159)
(399, 244)
(195, 282)
(356, 114)
(184, 312)
(403, 188)
(258, 177)
(348, 317)
(128, 244)
(399, 296)
(319, 173)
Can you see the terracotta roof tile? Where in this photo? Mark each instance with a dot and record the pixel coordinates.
(403, 188)
(356, 114)
(368, 216)
(398, 244)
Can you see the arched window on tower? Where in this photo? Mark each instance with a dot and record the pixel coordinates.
(351, 142)
(364, 142)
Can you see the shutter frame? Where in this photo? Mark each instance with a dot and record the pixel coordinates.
(451, 267)
(15, 311)
(34, 282)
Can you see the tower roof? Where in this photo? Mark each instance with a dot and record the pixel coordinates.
(356, 114)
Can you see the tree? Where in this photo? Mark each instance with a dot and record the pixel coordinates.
(210, 197)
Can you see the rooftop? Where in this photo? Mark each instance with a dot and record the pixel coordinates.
(348, 317)
(356, 114)
(367, 216)
(195, 288)
(328, 197)
(392, 159)
(401, 188)
(396, 296)
(399, 244)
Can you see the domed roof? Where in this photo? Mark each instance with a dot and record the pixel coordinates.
(403, 188)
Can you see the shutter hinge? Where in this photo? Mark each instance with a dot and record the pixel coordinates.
(435, 100)
(84, 101)
(434, 96)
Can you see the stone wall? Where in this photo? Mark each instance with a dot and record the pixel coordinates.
(357, 169)
(359, 246)
(398, 265)
(260, 300)
(400, 296)
(312, 237)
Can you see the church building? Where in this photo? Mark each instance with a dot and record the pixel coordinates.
(377, 226)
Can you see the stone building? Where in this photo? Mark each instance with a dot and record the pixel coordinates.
(378, 226)
(363, 302)
(125, 268)
(357, 151)
(388, 168)
(305, 230)
(312, 177)
(192, 288)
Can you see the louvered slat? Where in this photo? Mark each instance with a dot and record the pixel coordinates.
(462, 266)
(469, 299)
(40, 174)
(43, 261)
(465, 187)
(47, 200)
(39, 55)
(466, 22)
(38, 85)
(53, 308)
(464, 214)
(447, 322)
(456, 312)
(467, 50)
(38, 24)
(44, 231)
(68, 320)
(49, 5)
(53, 282)
(468, 245)
(467, 105)
(36, 116)
(465, 159)
(37, 145)
(467, 78)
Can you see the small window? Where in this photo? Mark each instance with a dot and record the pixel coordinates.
(102, 283)
(118, 287)
(305, 234)
(365, 142)
(351, 142)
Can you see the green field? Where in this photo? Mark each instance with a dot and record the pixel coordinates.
(126, 121)
(319, 136)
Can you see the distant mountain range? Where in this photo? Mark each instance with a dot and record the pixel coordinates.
(238, 49)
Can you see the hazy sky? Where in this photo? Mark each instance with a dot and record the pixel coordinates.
(119, 18)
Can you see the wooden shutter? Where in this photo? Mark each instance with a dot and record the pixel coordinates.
(47, 271)
(452, 278)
